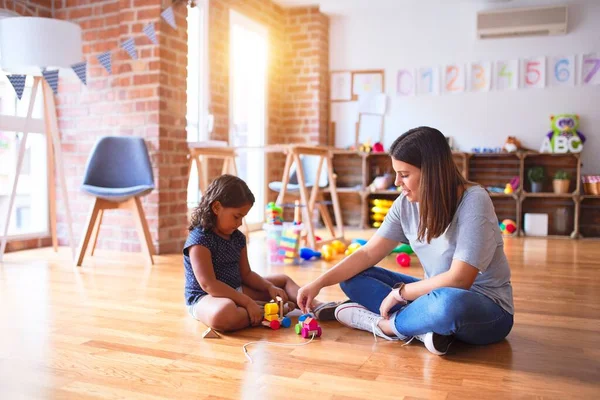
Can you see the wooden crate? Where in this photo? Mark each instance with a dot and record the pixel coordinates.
(495, 169)
(589, 221)
(551, 164)
(550, 205)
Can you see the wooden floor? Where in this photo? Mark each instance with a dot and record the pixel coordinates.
(115, 329)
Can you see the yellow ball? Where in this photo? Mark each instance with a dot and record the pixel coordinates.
(338, 246)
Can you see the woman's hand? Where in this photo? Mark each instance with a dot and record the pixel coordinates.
(388, 303)
(275, 292)
(306, 295)
(255, 313)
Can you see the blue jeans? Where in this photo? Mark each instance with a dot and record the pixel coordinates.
(469, 316)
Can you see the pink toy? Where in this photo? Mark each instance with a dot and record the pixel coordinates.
(308, 326)
(403, 260)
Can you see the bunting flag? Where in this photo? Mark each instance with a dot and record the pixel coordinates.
(81, 70)
(129, 46)
(169, 17)
(18, 83)
(150, 32)
(104, 59)
(52, 78)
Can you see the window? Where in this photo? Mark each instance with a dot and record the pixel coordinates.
(197, 88)
(29, 216)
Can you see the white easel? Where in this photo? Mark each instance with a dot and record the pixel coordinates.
(54, 159)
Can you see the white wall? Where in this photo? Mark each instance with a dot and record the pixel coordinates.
(413, 35)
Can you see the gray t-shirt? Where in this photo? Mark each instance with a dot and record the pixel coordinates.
(473, 236)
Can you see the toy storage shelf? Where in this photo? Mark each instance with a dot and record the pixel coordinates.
(356, 170)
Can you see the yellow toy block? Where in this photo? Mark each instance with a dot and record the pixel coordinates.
(271, 317)
(271, 308)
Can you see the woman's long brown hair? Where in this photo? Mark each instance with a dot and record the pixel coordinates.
(441, 184)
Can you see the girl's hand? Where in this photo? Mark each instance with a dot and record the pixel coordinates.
(275, 292)
(388, 303)
(255, 312)
(306, 295)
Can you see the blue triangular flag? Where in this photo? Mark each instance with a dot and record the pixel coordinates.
(80, 69)
(52, 78)
(169, 17)
(104, 59)
(129, 46)
(18, 83)
(150, 32)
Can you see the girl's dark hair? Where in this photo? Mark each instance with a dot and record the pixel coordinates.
(230, 191)
(441, 184)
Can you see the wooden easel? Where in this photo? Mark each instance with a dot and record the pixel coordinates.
(54, 156)
(293, 153)
(200, 153)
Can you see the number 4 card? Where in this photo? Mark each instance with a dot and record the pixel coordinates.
(590, 69)
(534, 73)
(507, 74)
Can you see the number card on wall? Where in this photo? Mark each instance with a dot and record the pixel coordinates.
(561, 71)
(405, 85)
(590, 69)
(454, 78)
(534, 73)
(480, 76)
(428, 81)
(507, 75)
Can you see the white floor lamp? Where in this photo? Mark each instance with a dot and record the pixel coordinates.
(28, 45)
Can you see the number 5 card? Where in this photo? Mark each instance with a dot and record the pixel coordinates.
(533, 73)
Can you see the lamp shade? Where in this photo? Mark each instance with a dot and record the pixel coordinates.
(28, 44)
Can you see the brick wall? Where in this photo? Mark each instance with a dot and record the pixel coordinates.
(29, 8)
(297, 74)
(145, 99)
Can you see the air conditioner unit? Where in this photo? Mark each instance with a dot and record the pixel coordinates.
(538, 21)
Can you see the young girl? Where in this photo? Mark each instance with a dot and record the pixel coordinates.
(221, 290)
(453, 229)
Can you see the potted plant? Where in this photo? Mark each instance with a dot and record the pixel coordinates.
(536, 178)
(561, 181)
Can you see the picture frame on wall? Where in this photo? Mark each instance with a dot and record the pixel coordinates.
(367, 82)
(341, 86)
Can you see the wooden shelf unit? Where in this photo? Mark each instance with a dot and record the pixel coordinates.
(356, 170)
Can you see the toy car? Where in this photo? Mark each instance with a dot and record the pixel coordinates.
(307, 326)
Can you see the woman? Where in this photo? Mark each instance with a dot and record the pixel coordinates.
(452, 227)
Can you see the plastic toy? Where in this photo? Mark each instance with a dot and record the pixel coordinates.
(378, 148)
(274, 318)
(327, 252)
(352, 248)
(338, 246)
(508, 227)
(508, 189)
(308, 254)
(565, 136)
(403, 260)
(274, 214)
(307, 326)
(362, 242)
(403, 248)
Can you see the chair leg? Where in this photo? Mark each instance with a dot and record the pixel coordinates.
(135, 205)
(324, 211)
(96, 231)
(96, 207)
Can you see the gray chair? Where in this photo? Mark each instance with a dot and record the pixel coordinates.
(118, 173)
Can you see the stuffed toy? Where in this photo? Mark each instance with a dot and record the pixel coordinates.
(513, 145)
(565, 136)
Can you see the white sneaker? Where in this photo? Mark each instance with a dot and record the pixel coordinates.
(356, 316)
(437, 344)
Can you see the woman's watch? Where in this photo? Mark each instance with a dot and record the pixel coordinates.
(397, 291)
